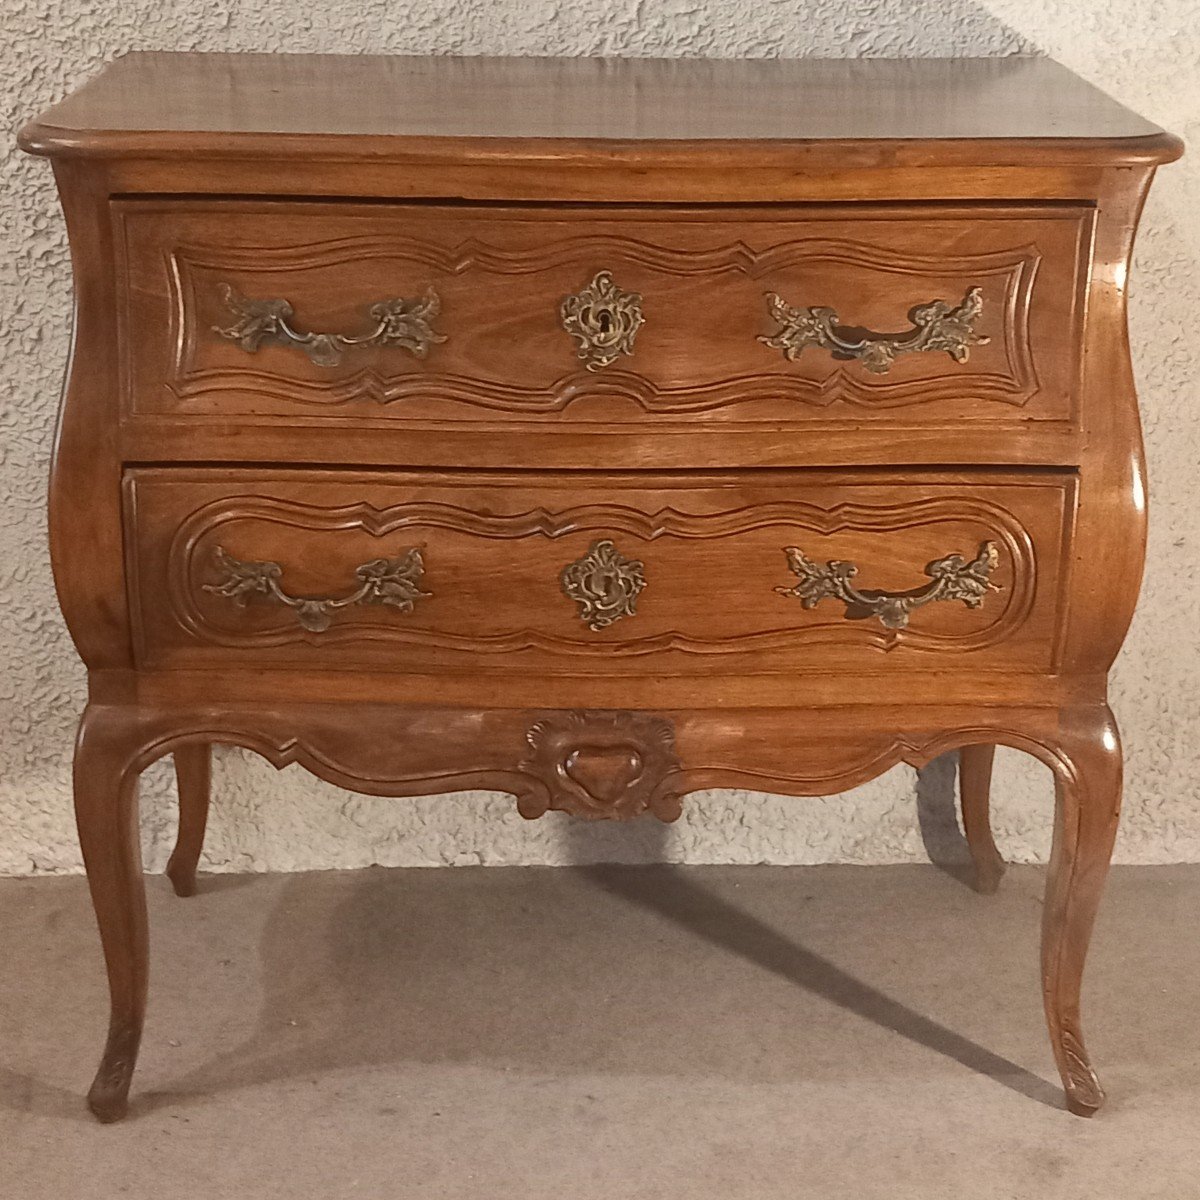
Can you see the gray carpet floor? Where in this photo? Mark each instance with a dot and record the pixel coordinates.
(603, 1033)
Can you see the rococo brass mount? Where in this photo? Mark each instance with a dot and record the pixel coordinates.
(603, 319)
(399, 322)
(953, 578)
(938, 326)
(604, 584)
(391, 581)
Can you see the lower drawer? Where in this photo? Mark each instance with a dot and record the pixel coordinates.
(597, 574)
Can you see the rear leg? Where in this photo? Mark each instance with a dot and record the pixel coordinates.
(193, 776)
(975, 785)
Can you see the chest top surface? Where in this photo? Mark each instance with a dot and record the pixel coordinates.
(212, 104)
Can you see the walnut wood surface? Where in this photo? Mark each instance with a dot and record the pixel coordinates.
(193, 779)
(500, 276)
(713, 549)
(193, 772)
(975, 785)
(335, 183)
(189, 102)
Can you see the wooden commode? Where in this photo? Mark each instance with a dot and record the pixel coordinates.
(597, 432)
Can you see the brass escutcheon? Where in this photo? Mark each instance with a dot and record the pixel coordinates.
(604, 584)
(603, 319)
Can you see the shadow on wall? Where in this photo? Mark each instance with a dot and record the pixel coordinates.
(937, 817)
(647, 840)
(643, 840)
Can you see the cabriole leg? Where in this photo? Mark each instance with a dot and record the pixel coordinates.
(975, 785)
(106, 813)
(193, 778)
(1085, 827)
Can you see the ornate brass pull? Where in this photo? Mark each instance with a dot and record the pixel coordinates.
(604, 584)
(603, 319)
(953, 578)
(399, 322)
(390, 581)
(938, 326)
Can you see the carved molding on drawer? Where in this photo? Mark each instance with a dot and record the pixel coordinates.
(1007, 275)
(474, 254)
(189, 562)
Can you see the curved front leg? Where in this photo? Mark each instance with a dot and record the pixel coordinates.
(975, 786)
(193, 780)
(106, 813)
(1088, 778)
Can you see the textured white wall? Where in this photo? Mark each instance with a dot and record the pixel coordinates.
(265, 821)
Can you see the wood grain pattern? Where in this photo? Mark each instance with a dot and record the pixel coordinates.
(871, 187)
(303, 105)
(493, 554)
(500, 274)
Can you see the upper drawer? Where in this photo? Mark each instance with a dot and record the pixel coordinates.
(527, 318)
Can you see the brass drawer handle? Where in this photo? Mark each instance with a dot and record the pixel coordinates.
(953, 578)
(399, 322)
(937, 326)
(603, 319)
(390, 581)
(605, 584)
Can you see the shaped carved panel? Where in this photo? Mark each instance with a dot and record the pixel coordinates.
(501, 278)
(493, 549)
(635, 762)
(602, 765)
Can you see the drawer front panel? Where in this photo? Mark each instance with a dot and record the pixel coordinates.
(598, 574)
(530, 318)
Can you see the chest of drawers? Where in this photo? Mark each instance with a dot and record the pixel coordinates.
(597, 432)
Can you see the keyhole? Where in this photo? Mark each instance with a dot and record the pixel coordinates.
(605, 320)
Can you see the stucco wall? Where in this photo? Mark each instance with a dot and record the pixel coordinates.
(265, 821)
